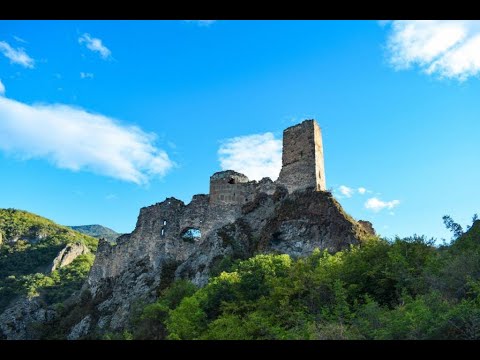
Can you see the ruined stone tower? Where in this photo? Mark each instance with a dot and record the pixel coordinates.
(302, 157)
(230, 188)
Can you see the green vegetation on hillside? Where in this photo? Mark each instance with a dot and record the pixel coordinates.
(97, 231)
(400, 289)
(29, 245)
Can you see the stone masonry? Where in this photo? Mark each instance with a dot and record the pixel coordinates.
(302, 157)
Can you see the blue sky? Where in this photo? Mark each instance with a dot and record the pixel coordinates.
(100, 118)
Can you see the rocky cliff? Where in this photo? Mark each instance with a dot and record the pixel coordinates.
(158, 250)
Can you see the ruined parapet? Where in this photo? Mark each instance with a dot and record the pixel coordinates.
(367, 225)
(302, 158)
(230, 188)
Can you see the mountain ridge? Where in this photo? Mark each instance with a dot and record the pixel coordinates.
(97, 231)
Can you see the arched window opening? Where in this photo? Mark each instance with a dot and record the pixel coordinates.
(191, 234)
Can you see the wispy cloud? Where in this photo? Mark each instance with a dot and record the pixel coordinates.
(2, 88)
(20, 40)
(447, 48)
(346, 191)
(376, 205)
(72, 138)
(202, 22)
(84, 75)
(16, 56)
(111, 197)
(256, 156)
(96, 45)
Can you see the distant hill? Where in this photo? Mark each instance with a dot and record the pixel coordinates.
(41, 258)
(97, 231)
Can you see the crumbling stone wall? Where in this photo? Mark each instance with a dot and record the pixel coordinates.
(230, 188)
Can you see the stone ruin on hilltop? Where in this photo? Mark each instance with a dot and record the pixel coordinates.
(238, 218)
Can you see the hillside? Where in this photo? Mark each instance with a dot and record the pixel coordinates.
(40, 259)
(97, 231)
(401, 289)
(406, 288)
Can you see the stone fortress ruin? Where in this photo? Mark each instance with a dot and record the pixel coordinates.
(238, 219)
(230, 191)
(231, 195)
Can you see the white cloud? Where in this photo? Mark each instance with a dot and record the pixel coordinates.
(202, 22)
(2, 88)
(84, 75)
(16, 56)
(447, 48)
(375, 204)
(19, 39)
(346, 191)
(256, 156)
(95, 45)
(111, 197)
(74, 139)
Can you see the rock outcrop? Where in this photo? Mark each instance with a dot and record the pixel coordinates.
(81, 329)
(367, 225)
(18, 321)
(67, 255)
(33, 235)
(156, 252)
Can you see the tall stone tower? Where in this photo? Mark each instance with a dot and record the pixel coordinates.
(302, 158)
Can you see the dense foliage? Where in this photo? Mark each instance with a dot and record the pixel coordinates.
(400, 289)
(28, 245)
